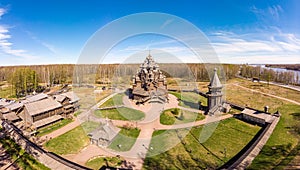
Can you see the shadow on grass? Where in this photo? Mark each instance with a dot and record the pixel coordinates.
(296, 115)
(191, 104)
(268, 153)
(289, 157)
(168, 163)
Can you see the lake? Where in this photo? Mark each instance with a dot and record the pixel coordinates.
(281, 70)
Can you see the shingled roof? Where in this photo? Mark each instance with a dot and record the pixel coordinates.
(3, 103)
(46, 121)
(59, 98)
(37, 97)
(215, 81)
(107, 131)
(11, 107)
(42, 106)
(11, 116)
(72, 96)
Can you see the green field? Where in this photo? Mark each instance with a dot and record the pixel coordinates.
(6, 92)
(116, 100)
(282, 145)
(190, 99)
(89, 126)
(55, 126)
(69, 143)
(170, 116)
(122, 113)
(88, 98)
(98, 162)
(270, 89)
(227, 140)
(126, 137)
(23, 159)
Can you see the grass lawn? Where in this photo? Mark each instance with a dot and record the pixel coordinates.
(116, 100)
(6, 92)
(230, 136)
(90, 126)
(202, 86)
(86, 95)
(169, 117)
(283, 142)
(123, 113)
(126, 137)
(255, 100)
(190, 99)
(98, 162)
(88, 98)
(78, 112)
(69, 143)
(46, 130)
(25, 160)
(270, 89)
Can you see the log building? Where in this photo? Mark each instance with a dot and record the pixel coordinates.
(149, 84)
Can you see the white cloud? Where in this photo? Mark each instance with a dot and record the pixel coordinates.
(6, 46)
(275, 11)
(268, 46)
(270, 14)
(2, 12)
(50, 47)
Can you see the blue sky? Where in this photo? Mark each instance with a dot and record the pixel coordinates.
(51, 32)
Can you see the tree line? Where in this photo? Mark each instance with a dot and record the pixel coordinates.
(269, 75)
(26, 79)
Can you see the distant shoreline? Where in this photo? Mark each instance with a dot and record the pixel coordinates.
(295, 67)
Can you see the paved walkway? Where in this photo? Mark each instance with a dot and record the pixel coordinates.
(139, 150)
(267, 94)
(172, 103)
(61, 131)
(150, 123)
(87, 153)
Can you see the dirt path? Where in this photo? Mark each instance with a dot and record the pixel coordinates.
(282, 85)
(87, 153)
(148, 125)
(267, 94)
(140, 148)
(61, 131)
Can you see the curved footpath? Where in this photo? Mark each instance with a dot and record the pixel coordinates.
(148, 125)
(267, 94)
(297, 88)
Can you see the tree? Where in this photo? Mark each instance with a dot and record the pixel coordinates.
(24, 80)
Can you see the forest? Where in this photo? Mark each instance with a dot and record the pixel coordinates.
(285, 66)
(287, 77)
(26, 79)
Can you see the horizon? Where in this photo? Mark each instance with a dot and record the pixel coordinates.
(239, 32)
(140, 63)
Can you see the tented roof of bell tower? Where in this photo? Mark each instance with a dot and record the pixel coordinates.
(215, 81)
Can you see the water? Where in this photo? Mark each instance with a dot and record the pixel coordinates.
(282, 70)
